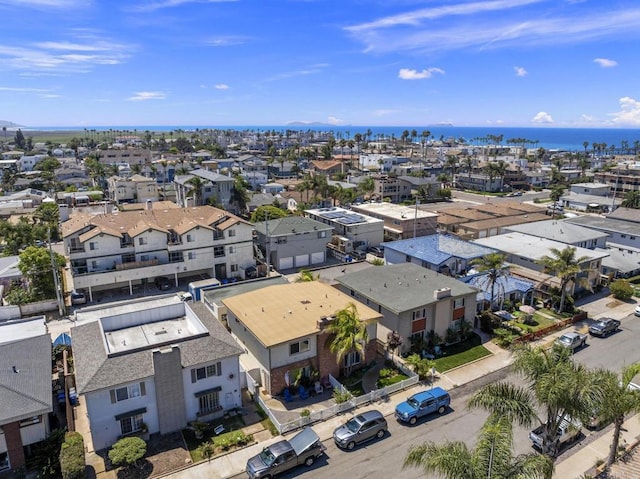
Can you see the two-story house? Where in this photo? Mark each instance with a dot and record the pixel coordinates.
(401, 221)
(211, 185)
(25, 389)
(359, 228)
(136, 189)
(564, 232)
(413, 301)
(283, 327)
(293, 241)
(127, 248)
(156, 365)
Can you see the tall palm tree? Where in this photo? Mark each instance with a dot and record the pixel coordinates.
(492, 457)
(349, 334)
(196, 183)
(494, 265)
(557, 385)
(564, 265)
(618, 400)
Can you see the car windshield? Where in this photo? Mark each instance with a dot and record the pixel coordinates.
(353, 425)
(267, 457)
(413, 402)
(565, 339)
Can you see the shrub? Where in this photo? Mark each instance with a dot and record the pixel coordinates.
(207, 450)
(127, 451)
(504, 337)
(489, 322)
(341, 396)
(621, 289)
(386, 373)
(305, 413)
(72, 463)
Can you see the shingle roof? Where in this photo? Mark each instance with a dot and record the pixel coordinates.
(607, 224)
(436, 249)
(289, 225)
(96, 370)
(27, 392)
(402, 287)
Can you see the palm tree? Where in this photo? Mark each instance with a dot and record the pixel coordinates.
(306, 276)
(196, 184)
(557, 385)
(492, 456)
(422, 367)
(494, 265)
(618, 401)
(631, 199)
(349, 335)
(368, 185)
(564, 265)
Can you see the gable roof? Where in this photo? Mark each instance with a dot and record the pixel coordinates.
(402, 287)
(438, 248)
(96, 370)
(25, 391)
(290, 225)
(558, 230)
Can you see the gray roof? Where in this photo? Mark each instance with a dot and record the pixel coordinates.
(624, 261)
(585, 199)
(9, 267)
(607, 224)
(402, 287)
(291, 225)
(216, 295)
(95, 370)
(205, 175)
(438, 248)
(25, 393)
(558, 230)
(627, 214)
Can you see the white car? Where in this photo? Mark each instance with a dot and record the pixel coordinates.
(637, 310)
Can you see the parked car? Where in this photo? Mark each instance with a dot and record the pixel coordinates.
(604, 327)
(377, 251)
(162, 282)
(422, 404)
(572, 341)
(78, 298)
(568, 431)
(360, 428)
(637, 310)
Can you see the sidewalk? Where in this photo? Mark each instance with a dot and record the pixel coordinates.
(573, 466)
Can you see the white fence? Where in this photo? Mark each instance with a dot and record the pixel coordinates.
(338, 408)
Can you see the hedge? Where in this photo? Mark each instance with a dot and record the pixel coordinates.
(72, 464)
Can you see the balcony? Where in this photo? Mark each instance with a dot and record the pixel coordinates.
(136, 264)
(76, 249)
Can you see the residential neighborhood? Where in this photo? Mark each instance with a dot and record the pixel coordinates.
(182, 290)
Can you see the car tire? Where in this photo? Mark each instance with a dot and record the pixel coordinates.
(309, 461)
(381, 433)
(413, 420)
(351, 445)
(441, 410)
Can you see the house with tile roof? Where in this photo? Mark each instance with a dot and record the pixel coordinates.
(26, 397)
(158, 364)
(413, 301)
(283, 328)
(130, 248)
(293, 241)
(442, 253)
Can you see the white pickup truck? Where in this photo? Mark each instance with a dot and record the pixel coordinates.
(568, 431)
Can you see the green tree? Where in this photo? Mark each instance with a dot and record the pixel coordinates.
(240, 194)
(128, 452)
(48, 215)
(621, 289)
(367, 186)
(306, 276)
(631, 199)
(19, 140)
(421, 366)
(262, 213)
(564, 265)
(557, 386)
(349, 335)
(47, 164)
(494, 265)
(492, 456)
(196, 183)
(72, 462)
(35, 265)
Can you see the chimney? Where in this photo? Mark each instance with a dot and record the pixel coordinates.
(440, 293)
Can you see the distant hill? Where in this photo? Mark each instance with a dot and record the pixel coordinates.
(312, 123)
(10, 124)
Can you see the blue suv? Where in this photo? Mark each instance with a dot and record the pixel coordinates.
(423, 403)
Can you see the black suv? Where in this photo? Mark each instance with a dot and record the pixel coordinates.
(162, 283)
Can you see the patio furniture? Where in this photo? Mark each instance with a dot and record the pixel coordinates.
(326, 383)
(219, 429)
(318, 387)
(302, 392)
(287, 395)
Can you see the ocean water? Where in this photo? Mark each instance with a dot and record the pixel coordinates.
(569, 139)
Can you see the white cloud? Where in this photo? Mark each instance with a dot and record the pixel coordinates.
(542, 117)
(584, 118)
(384, 112)
(520, 71)
(410, 74)
(605, 62)
(332, 120)
(311, 70)
(227, 41)
(22, 89)
(629, 113)
(151, 6)
(147, 95)
(59, 4)
(221, 86)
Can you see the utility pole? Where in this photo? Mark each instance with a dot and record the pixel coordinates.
(615, 191)
(415, 218)
(266, 218)
(56, 272)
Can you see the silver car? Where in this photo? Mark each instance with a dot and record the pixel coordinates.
(360, 428)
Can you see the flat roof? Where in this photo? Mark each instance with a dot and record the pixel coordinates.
(408, 212)
(342, 216)
(19, 329)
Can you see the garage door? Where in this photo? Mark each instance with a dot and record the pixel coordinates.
(317, 257)
(302, 260)
(285, 263)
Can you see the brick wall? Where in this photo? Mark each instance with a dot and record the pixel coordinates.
(14, 444)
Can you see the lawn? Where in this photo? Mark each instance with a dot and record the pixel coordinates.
(461, 353)
(541, 323)
(232, 426)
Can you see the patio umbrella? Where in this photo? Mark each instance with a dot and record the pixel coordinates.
(287, 379)
(526, 309)
(62, 339)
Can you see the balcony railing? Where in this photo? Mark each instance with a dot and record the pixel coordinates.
(136, 264)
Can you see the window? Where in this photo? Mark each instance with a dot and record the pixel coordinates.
(4, 461)
(218, 251)
(322, 234)
(206, 372)
(232, 249)
(299, 347)
(175, 257)
(30, 421)
(208, 403)
(281, 240)
(142, 240)
(234, 268)
(94, 265)
(419, 314)
(131, 424)
(190, 238)
(93, 246)
(127, 392)
(351, 359)
(192, 255)
(232, 233)
(458, 303)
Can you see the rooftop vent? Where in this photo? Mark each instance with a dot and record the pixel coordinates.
(441, 293)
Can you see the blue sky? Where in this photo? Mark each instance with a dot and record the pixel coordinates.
(561, 63)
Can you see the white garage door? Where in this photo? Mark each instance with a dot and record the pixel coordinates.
(285, 263)
(317, 257)
(302, 260)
